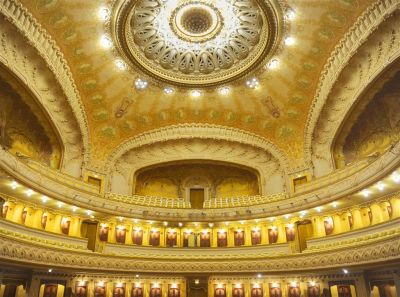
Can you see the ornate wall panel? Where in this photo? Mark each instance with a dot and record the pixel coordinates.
(340, 85)
(26, 64)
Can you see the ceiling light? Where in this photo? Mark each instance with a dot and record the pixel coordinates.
(74, 208)
(334, 204)
(89, 212)
(224, 90)
(242, 222)
(319, 208)
(211, 225)
(259, 275)
(287, 216)
(29, 193)
(365, 193)
(253, 83)
(120, 219)
(226, 223)
(195, 93)
(395, 177)
(196, 224)
(135, 221)
(290, 14)
(273, 64)
(272, 219)
(104, 13)
(165, 223)
(120, 64)
(50, 270)
(141, 84)
(105, 41)
(14, 185)
(168, 90)
(60, 204)
(197, 281)
(380, 186)
(180, 224)
(137, 275)
(345, 271)
(289, 40)
(45, 199)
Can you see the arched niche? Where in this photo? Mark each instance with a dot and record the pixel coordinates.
(373, 126)
(271, 171)
(25, 129)
(178, 179)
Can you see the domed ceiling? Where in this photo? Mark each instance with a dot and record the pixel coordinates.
(140, 65)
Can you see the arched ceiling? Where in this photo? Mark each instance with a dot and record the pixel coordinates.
(277, 110)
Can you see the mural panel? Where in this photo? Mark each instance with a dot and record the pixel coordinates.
(25, 130)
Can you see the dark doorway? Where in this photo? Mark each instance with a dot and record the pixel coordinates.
(196, 198)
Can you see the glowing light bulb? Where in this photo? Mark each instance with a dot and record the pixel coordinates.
(120, 64)
(45, 199)
(380, 186)
(290, 14)
(273, 64)
(74, 208)
(104, 13)
(14, 185)
(141, 84)
(365, 193)
(168, 90)
(253, 83)
(289, 40)
(29, 193)
(224, 91)
(195, 93)
(106, 42)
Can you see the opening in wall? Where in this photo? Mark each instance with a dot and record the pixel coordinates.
(196, 198)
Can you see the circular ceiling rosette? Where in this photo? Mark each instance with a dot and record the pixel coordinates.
(196, 43)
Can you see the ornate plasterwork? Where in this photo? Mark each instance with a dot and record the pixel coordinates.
(200, 131)
(373, 57)
(235, 37)
(45, 46)
(24, 62)
(193, 148)
(381, 247)
(367, 23)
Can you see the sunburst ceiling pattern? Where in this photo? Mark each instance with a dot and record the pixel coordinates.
(274, 105)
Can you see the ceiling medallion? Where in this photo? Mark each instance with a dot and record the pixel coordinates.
(197, 43)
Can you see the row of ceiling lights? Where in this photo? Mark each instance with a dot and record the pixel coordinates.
(395, 177)
(141, 83)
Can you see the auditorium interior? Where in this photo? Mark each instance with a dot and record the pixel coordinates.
(200, 148)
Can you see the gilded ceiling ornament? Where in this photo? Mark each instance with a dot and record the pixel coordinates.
(196, 43)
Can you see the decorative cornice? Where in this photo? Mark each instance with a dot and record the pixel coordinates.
(47, 48)
(366, 24)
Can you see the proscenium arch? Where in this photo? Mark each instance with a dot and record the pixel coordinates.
(318, 148)
(192, 132)
(14, 12)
